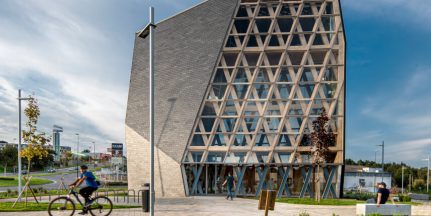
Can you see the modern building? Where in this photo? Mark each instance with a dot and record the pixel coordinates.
(238, 84)
(364, 179)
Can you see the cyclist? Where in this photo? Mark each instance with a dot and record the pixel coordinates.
(92, 185)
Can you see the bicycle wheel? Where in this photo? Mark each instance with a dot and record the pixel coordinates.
(101, 205)
(61, 206)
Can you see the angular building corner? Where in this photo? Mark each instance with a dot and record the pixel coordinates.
(238, 85)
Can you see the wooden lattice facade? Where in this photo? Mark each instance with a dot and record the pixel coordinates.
(282, 63)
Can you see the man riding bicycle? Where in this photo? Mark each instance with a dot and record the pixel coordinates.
(90, 181)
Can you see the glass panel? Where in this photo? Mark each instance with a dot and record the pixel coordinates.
(285, 11)
(284, 75)
(263, 11)
(251, 109)
(273, 58)
(307, 24)
(241, 25)
(198, 140)
(232, 41)
(262, 90)
(328, 23)
(251, 58)
(274, 41)
(329, 8)
(284, 157)
(236, 157)
(219, 140)
(284, 140)
(284, 90)
(219, 76)
(241, 76)
(318, 57)
(197, 156)
(306, 158)
(318, 40)
(240, 90)
(208, 123)
(230, 109)
(219, 91)
(329, 89)
(307, 75)
(306, 10)
(285, 25)
(242, 11)
(306, 90)
(262, 157)
(240, 140)
(296, 108)
(330, 74)
(295, 123)
(229, 123)
(296, 57)
(262, 76)
(261, 140)
(251, 123)
(252, 41)
(215, 157)
(208, 109)
(273, 124)
(230, 58)
(263, 25)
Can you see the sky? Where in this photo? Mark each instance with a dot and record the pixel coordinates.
(75, 57)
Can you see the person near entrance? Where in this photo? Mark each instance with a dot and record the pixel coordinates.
(230, 182)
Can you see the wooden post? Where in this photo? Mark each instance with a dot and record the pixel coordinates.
(267, 203)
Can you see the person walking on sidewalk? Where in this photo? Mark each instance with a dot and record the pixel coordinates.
(230, 182)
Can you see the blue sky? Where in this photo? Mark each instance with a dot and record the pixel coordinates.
(76, 58)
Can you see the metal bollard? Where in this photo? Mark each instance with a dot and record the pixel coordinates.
(146, 198)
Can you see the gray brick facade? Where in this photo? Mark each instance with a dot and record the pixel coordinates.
(186, 50)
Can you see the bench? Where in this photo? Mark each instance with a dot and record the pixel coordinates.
(385, 209)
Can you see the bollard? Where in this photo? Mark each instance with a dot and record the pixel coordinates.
(146, 198)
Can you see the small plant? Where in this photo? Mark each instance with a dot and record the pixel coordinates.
(374, 214)
(304, 213)
(333, 214)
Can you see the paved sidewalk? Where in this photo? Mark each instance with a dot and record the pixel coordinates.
(218, 206)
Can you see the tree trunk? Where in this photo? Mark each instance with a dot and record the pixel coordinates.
(314, 182)
(5, 168)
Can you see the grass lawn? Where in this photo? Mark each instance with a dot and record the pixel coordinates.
(5, 195)
(14, 182)
(7, 207)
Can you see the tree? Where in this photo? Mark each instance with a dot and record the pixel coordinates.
(35, 141)
(321, 138)
(8, 156)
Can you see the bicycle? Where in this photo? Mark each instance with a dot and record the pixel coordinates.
(99, 205)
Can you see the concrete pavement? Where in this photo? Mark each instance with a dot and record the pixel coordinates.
(218, 206)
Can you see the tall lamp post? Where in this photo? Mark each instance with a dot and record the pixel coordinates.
(94, 153)
(77, 155)
(402, 179)
(375, 172)
(383, 157)
(428, 172)
(149, 31)
(19, 140)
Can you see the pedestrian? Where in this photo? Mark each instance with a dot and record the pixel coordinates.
(383, 194)
(230, 182)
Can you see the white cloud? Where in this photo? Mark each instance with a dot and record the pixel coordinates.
(49, 41)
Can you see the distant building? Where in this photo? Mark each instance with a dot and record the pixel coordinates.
(360, 178)
(4, 143)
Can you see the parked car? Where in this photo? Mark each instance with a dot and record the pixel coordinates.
(24, 172)
(51, 170)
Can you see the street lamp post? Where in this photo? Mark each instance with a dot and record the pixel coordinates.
(402, 179)
(428, 172)
(94, 153)
(77, 155)
(19, 140)
(149, 31)
(375, 173)
(383, 157)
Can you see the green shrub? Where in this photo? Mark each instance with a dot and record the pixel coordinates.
(404, 198)
(7, 178)
(374, 214)
(359, 196)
